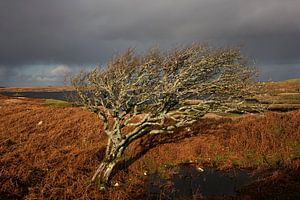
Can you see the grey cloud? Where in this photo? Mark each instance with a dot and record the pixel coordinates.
(76, 32)
(5, 73)
(50, 75)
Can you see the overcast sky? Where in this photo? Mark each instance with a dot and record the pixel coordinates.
(41, 40)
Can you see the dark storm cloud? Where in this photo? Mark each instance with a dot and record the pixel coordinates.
(90, 31)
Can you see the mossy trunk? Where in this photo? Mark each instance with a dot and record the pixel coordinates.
(103, 173)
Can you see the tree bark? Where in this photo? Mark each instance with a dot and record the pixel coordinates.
(111, 159)
(103, 172)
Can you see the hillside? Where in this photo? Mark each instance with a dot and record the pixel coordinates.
(36, 89)
(51, 153)
(282, 95)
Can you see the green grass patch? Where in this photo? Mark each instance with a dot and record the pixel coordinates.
(235, 163)
(57, 103)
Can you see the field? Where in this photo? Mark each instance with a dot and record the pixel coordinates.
(50, 150)
(282, 96)
(37, 89)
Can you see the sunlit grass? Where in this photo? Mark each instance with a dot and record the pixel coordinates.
(57, 103)
(289, 81)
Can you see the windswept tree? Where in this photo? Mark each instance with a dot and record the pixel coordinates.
(135, 95)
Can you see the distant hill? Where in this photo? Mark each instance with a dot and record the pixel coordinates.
(37, 89)
(287, 86)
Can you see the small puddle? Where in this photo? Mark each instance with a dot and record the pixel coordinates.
(190, 182)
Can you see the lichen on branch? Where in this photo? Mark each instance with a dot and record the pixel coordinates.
(147, 93)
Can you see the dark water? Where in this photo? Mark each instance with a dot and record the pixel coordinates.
(190, 183)
(66, 95)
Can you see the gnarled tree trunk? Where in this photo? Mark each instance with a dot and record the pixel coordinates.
(104, 171)
(112, 157)
(155, 86)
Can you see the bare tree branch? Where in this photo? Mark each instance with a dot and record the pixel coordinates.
(149, 92)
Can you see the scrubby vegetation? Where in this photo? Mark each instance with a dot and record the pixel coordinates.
(56, 158)
(139, 95)
(282, 96)
(50, 149)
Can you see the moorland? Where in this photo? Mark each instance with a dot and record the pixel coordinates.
(50, 149)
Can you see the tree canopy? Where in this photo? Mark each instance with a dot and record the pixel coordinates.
(156, 86)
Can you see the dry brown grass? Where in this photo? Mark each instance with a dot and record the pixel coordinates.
(51, 153)
(248, 142)
(282, 96)
(290, 86)
(55, 158)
